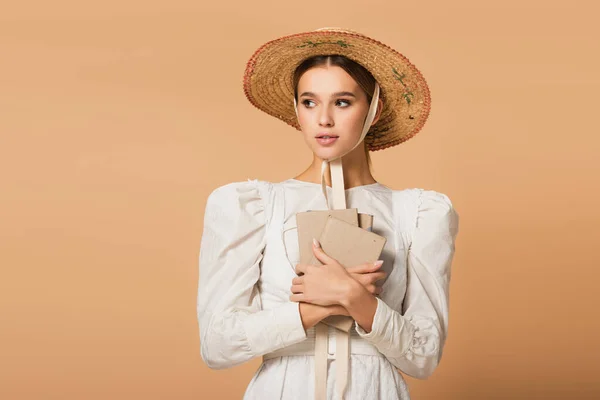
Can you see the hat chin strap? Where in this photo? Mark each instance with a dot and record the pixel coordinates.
(335, 164)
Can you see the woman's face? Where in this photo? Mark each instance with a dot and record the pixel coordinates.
(332, 109)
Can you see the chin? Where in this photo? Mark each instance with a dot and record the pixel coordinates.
(328, 153)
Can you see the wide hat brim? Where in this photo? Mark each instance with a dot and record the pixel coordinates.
(268, 80)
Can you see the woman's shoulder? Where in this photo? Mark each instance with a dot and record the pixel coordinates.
(237, 188)
(251, 194)
(419, 195)
(414, 204)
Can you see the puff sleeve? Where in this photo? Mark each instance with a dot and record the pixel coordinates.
(413, 340)
(233, 326)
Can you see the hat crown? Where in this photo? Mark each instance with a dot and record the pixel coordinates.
(337, 29)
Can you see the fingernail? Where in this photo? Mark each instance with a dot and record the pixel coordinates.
(316, 243)
(378, 263)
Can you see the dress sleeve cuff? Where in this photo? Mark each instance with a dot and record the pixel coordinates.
(274, 329)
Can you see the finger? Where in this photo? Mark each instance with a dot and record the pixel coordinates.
(320, 254)
(297, 289)
(300, 269)
(298, 280)
(376, 276)
(356, 269)
(367, 280)
(297, 297)
(361, 278)
(366, 267)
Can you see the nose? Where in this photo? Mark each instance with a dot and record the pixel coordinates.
(325, 117)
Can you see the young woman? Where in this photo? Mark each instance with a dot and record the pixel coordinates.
(348, 95)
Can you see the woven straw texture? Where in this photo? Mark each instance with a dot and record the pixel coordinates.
(268, 80)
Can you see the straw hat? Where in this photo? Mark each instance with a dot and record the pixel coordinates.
(268, 80)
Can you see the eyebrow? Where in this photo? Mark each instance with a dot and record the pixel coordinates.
(337, 94)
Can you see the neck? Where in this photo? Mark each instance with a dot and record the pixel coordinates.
(356, 170)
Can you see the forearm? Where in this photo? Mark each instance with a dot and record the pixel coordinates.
(230, 337)
(361, 305)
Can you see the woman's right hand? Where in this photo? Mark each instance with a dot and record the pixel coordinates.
(367, 275)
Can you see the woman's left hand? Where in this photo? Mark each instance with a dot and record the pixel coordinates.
(322, 285)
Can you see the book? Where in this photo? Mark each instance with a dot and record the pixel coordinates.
(310, 224)
(348, 242)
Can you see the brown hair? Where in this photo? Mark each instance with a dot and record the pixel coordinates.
(360, 74)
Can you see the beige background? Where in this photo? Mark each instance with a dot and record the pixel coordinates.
(118, 118)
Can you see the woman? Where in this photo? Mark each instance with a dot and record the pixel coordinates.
(348, 95)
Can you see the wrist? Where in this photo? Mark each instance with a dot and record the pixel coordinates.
(312, 314)
(353, 293)
(331, 310)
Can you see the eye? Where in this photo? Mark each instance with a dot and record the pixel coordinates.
(308, 103)
(343, 103)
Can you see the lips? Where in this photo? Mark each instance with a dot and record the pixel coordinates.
(326, 139)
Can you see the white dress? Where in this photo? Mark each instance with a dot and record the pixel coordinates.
(247, 257)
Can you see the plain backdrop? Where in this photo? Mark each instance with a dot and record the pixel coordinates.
(118, 118)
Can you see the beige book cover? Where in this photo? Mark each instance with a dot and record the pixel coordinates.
(310, 224)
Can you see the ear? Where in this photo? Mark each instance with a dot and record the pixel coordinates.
(378, 113)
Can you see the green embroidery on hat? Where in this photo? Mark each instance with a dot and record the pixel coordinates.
(398, 76)
(406, 96)
(407, 93)
(310, 43)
